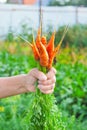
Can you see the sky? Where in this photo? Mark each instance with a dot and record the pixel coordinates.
(44, 2)
(2, 1)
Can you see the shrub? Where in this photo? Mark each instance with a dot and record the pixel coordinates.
(76, 36)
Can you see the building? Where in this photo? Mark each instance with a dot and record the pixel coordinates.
(36, 2)
(29, 1)
(22, 1)
(15, 1)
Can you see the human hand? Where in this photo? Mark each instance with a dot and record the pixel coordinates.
(46, 82)
(47, 86)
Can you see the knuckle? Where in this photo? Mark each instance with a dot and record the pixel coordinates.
(54, 79)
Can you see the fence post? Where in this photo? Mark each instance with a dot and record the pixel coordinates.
(40, 15)
(10, 27)
(76, 16)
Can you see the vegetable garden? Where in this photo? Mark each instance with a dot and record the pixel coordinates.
(71, 86)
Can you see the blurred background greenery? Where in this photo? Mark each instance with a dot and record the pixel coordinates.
(71, 84)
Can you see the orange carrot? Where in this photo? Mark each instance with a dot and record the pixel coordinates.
(50, 61)
(50, 46)
(53, 51)
(50, 50)
(35, 52)
(43, 40)
(43, 55)
(38, 38)
(42, 50)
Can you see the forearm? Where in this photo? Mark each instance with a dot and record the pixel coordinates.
(12, 86)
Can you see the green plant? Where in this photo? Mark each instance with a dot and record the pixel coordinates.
(76, 36)
(72, 90)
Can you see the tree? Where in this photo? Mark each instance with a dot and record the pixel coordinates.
(54, 3)
(68, 2)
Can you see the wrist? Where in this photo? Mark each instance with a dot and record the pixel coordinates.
(22, 88)
(14, 85)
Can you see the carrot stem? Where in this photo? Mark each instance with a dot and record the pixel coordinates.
(25, 40)
(64, 33)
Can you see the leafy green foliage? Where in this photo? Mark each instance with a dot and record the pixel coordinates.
(70, 92)
(68, 2)
(76, 36)
(44, 113)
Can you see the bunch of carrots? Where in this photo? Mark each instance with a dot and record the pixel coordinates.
(45, 52)
(43, 114)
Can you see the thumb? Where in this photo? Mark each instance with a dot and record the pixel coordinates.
(38, 74)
